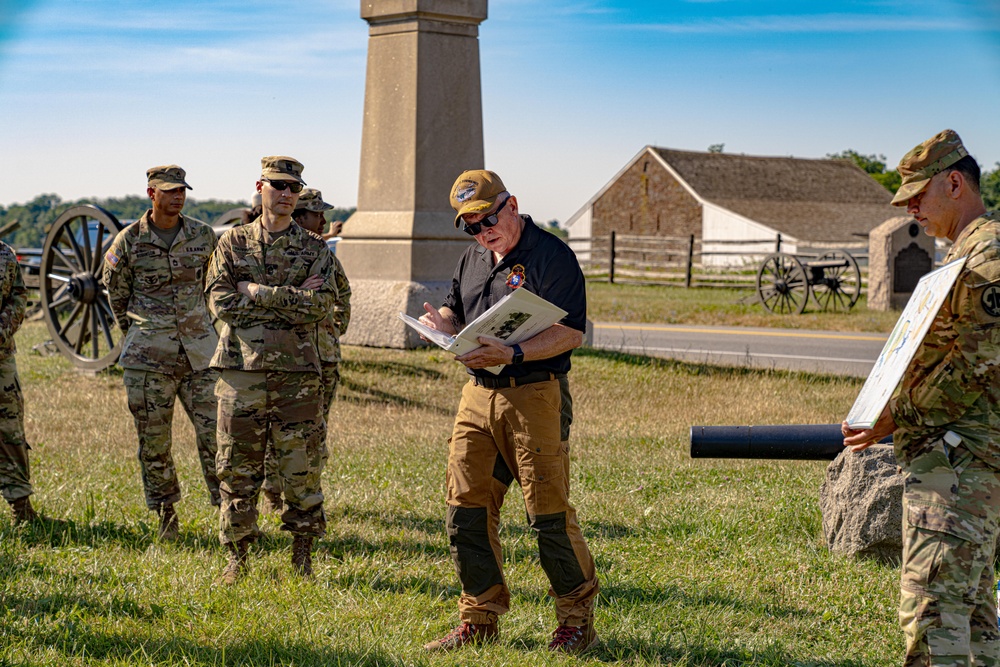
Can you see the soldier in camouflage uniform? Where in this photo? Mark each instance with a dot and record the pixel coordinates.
(945, 422)
(154, 272)
(271, 282)
(309, 215)
(15, 483)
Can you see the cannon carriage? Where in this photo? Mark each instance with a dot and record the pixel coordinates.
(67, 273)
(785, 283)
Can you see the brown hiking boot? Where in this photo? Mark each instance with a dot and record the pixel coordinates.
(271, 503)
(236, 567)
(302, 555)
(23, 511)
(169, 524)
(574, 639)
(463, 634)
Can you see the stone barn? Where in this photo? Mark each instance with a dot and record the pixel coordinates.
(726, 198)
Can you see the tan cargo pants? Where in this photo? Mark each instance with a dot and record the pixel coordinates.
(500, 436)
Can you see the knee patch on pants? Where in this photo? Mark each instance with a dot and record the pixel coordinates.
(470, 548)
(555, 552)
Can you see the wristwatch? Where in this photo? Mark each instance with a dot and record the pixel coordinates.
(518, 355)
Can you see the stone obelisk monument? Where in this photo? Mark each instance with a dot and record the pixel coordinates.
(423, 126)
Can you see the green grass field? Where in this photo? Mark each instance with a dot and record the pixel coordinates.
(701, 562)
(721, 307)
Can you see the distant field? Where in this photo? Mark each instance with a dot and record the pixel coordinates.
(722, 307)
(702, 562)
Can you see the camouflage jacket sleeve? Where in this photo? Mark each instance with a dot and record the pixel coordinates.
(958, 361)
(116, 274)
(13, 299)
(224, 300)
(342, 307)
(295, 305)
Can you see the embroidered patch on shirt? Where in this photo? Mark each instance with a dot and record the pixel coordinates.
(516, 277)
(111, 258)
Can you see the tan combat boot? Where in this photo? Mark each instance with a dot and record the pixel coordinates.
(574, 639)
(302, 555)
(23, 511)
(237, 565)
(464, 634)
(169, 524)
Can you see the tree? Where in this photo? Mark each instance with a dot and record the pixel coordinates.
(873, 165)
(552, 227)
(37, 216)
(716, 148)
(990, 188)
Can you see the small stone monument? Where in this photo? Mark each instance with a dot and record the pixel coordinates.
(899, 254)
(862, 504)
(423, 126)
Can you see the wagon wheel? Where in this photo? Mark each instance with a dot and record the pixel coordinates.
(782, 286)
(840, 287)
(74, 302)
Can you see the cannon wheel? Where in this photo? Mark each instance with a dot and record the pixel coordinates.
(782, 285)
(840, 287)
(74, 302)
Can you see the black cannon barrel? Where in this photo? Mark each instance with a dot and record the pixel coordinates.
(801, 442)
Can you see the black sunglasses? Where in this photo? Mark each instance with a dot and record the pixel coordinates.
(281, 185)
(487, 222)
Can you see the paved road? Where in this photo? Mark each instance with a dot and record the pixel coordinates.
(790, 349)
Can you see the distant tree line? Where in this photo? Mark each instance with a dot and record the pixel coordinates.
(874, 165)
(36, 216)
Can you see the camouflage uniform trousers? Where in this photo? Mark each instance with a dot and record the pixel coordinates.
(14, 473)
(501, 436)
(151, 397)
(331, 378)
(258, 409)
(947, 609)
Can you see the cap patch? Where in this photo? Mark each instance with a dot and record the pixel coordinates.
(465, 190)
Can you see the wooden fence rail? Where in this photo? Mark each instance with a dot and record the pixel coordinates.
(674, 260)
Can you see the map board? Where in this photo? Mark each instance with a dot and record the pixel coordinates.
(906, 336)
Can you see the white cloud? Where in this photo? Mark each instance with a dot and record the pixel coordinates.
(819, 23)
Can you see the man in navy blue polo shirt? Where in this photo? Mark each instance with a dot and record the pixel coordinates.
(515, 425)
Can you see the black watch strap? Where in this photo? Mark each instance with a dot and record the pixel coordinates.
(518, 355)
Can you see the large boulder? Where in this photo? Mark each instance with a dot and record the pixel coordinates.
(862, 504)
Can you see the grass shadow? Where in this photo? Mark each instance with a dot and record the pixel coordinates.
(96, 646)
(391, 368)
(371, 396)
(676, 648)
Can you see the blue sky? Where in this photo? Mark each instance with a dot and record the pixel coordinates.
(92, 92)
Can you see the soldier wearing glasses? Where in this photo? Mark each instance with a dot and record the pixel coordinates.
(271, 282)
(308, 214)
(513, 426)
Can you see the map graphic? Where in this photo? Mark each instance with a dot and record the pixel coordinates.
(906, 336)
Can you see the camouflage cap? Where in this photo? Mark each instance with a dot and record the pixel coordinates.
(925, 161)
(167, 177)
(281, 168)
(311, 199)
(475, 191)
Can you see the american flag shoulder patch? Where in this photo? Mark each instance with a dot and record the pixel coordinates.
(111, 258)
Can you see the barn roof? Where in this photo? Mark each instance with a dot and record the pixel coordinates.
(811, 199)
